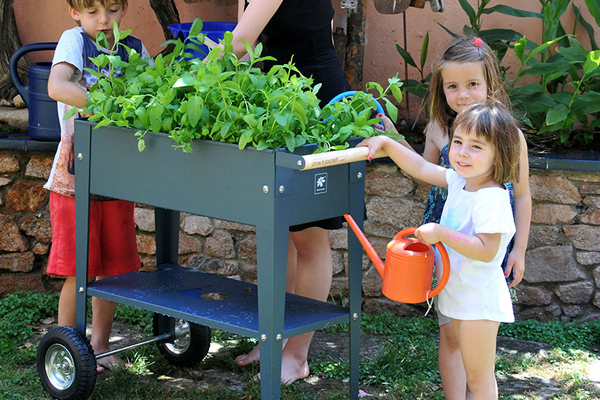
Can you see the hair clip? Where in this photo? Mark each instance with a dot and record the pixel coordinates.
(477, 42)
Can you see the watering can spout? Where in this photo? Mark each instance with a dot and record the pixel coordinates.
(377, 262)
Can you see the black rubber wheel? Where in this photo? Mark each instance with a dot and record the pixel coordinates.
(66, 364)
(191, 342)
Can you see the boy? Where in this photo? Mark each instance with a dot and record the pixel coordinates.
(113, 248)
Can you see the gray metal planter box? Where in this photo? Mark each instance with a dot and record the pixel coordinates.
(266, 189)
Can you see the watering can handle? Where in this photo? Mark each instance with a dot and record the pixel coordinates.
(14, 59)
(445, 261)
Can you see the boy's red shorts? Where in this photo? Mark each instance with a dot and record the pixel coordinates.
(113, 247)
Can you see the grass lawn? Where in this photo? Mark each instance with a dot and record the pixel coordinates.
(403, 367)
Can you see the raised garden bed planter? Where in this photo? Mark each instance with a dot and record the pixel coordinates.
(267, 189)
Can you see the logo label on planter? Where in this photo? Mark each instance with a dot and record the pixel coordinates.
(321, 183)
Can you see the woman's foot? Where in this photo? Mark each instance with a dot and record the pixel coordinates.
(250, 358)
(292, 369)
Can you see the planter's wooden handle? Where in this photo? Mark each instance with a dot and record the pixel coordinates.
(319, 160)
(211, 44)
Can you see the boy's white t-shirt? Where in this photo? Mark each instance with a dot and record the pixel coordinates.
(477, 290)
(70, 49)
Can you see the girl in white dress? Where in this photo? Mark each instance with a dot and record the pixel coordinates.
(475, 228)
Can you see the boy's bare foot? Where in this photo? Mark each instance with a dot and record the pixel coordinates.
(108, 363)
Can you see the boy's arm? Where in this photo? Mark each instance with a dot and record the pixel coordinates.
(481, 247)
(61, 88)
(408, 160)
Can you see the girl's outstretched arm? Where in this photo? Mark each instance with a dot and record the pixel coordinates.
(408, 160)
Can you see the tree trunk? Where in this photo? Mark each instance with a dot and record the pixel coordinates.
(167, 14)
(10, 44)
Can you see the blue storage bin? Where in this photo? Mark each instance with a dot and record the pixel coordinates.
(215, 30)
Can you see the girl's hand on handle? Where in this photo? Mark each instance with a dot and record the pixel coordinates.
(374, 144)
(428, 233)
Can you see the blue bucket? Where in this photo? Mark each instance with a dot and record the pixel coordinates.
(213, 29)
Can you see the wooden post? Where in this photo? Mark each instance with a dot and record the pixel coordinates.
(355, 47)
(10, 44)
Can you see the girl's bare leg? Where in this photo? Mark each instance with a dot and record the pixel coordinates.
(477, 341)
(452, 370)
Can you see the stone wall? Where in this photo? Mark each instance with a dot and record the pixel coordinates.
(562, 275)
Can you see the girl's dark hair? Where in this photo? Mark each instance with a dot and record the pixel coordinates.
(493, 122)
(463, 50)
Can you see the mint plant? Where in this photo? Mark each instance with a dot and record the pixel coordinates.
(224, 99)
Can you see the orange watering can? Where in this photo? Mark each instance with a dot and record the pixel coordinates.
(408, 268)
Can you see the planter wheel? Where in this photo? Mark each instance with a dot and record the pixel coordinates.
(190, 344)
(66, 364)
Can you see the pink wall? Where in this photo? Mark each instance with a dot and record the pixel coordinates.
(382, 33)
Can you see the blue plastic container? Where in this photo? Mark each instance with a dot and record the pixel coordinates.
(213, 29)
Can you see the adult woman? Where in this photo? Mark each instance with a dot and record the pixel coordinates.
(298, 30)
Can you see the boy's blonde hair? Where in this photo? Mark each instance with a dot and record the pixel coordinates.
(82, 4)
(463, 50)
(493, 122)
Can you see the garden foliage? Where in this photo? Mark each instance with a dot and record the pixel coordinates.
(224, 99)
(563, 101)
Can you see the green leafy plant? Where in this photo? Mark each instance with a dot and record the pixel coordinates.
(563, 105)
(223, 99)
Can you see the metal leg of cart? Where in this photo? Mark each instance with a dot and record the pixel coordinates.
(82, 243)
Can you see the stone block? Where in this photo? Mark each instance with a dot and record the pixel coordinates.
(11, 238)
(144, 219)
(533, 295)
(196, 224)
(26, 282)
(389, 216)
(25, 197)
(591, 217)
(233, 226)
(247, 249)
(575, 293)
(338, 239)
(542, 235)
(9, 163)
(39, 167)
(587, 257)
(17, 262)
(590, 201)
(551, 264)
(146, 244)
(203, 263)
(38, 226)
(550, 214)
(189, 244)
(563, 191)
(383, 183)
(543, 314)
(220, 245)
(583, 237)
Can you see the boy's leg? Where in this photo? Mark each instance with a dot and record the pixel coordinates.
(66, 303)
(103, 314)
(477, 341)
